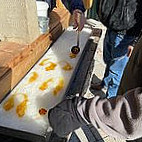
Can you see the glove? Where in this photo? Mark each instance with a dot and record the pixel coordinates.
(64, 118)
(78, 19)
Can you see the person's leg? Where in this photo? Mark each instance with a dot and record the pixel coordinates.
(107, 58)
(114, 77)
(118, 44)
(102, 84)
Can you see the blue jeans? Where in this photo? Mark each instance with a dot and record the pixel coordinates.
(115, 57)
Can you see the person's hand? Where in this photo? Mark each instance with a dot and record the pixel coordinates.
(130, 50)
(78, 19)
(64, 117)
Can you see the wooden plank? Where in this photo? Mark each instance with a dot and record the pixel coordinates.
(12, 53)
(5, 83)
(16, 59)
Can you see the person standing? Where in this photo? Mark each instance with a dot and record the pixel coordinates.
(123, 20)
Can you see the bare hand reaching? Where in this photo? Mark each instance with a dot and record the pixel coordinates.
(130, 50)
(78, 19)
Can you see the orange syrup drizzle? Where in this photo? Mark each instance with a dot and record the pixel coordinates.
(71, 55)
(59, 87)
(33, 77)
(67, 67)
(51, 66)
(42, 111)
(9, 104)
(42, 63)
(22, 107)
(45, 84)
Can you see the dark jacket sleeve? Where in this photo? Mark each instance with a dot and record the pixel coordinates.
(119, 117)
(71, 5)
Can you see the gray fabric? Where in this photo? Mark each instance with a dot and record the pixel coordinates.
(64, 118)
(118, 117)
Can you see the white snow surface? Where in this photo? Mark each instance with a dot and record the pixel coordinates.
(32, 121)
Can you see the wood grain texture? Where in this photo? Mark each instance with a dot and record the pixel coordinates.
(17, 59)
